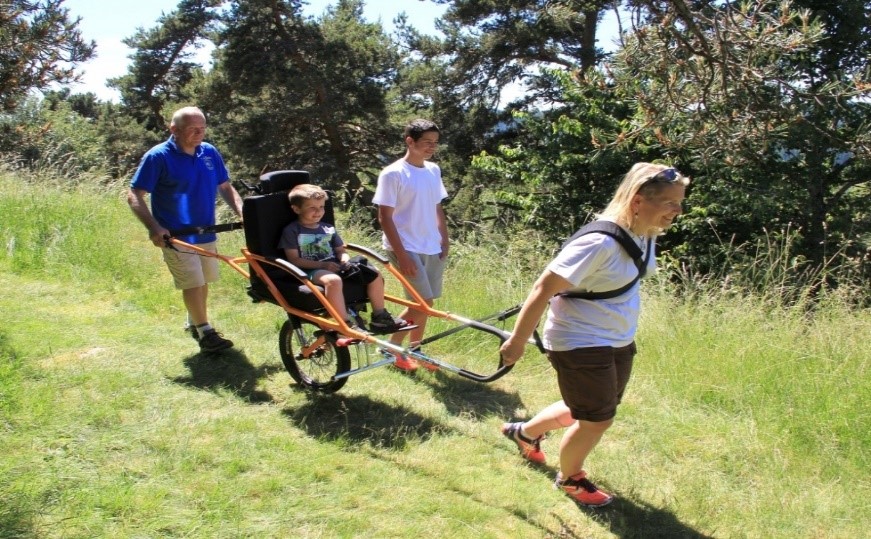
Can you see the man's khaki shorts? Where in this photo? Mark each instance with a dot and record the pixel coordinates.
(189, 269)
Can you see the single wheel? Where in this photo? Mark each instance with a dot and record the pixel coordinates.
(315, 369)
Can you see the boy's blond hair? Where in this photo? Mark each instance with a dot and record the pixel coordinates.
(305, 191)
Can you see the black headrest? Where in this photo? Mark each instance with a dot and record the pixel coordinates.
(265, 217)
(282, 180)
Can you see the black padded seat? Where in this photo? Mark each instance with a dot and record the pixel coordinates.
(265, 216)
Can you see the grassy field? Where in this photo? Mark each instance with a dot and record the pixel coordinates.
(743, 419)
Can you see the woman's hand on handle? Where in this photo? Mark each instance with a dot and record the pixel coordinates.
(512, 350)
(547, 284)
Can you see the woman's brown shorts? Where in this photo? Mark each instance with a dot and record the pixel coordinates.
(592, 380)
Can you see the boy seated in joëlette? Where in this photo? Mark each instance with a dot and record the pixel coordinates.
(317, 248)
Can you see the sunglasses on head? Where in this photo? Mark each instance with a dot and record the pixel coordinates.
(668, 175)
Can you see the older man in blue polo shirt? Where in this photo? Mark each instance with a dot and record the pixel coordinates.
(182, 176)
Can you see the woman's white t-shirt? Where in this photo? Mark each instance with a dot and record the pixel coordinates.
(595, 263)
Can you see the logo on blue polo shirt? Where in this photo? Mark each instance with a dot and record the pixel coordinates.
(207, 160)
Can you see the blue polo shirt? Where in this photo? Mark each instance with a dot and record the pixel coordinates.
(183, 187)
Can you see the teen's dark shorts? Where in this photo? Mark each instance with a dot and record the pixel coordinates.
(592, 380)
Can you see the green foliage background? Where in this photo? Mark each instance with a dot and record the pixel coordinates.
(764, 104)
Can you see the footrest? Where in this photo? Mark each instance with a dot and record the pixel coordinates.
(346, 341)
(406, 327)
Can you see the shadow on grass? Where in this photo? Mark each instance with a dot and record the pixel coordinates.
(359, 419)
(231, 370)
(17, 516)
(629, 519)
(462, 396)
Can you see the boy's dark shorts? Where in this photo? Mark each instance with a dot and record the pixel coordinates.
(592, 380)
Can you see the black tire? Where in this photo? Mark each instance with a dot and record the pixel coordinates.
(317, 371)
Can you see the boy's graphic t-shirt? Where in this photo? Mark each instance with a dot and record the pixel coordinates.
(318, 244)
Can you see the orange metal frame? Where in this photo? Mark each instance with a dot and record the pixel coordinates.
(336, 323)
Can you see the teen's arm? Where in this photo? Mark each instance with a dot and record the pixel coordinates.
(442, 224)
(385, 218)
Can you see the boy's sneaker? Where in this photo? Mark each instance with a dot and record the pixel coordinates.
(212, 341)
(580, 489)
(529, 449)
(385, 323)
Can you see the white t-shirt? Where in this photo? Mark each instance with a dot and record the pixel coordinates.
(595, 263)
(413, 193)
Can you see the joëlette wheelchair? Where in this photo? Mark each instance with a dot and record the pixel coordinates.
(322, 339)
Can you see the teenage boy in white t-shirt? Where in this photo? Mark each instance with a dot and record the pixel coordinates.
(415, 234)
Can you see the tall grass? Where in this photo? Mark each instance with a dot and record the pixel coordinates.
(770, 270)
(746, 417)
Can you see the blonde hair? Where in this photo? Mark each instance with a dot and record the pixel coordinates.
(305, 191)
(637, 182)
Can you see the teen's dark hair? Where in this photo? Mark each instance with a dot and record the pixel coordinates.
(416, 128)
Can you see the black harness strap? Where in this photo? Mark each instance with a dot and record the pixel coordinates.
(632, 249)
